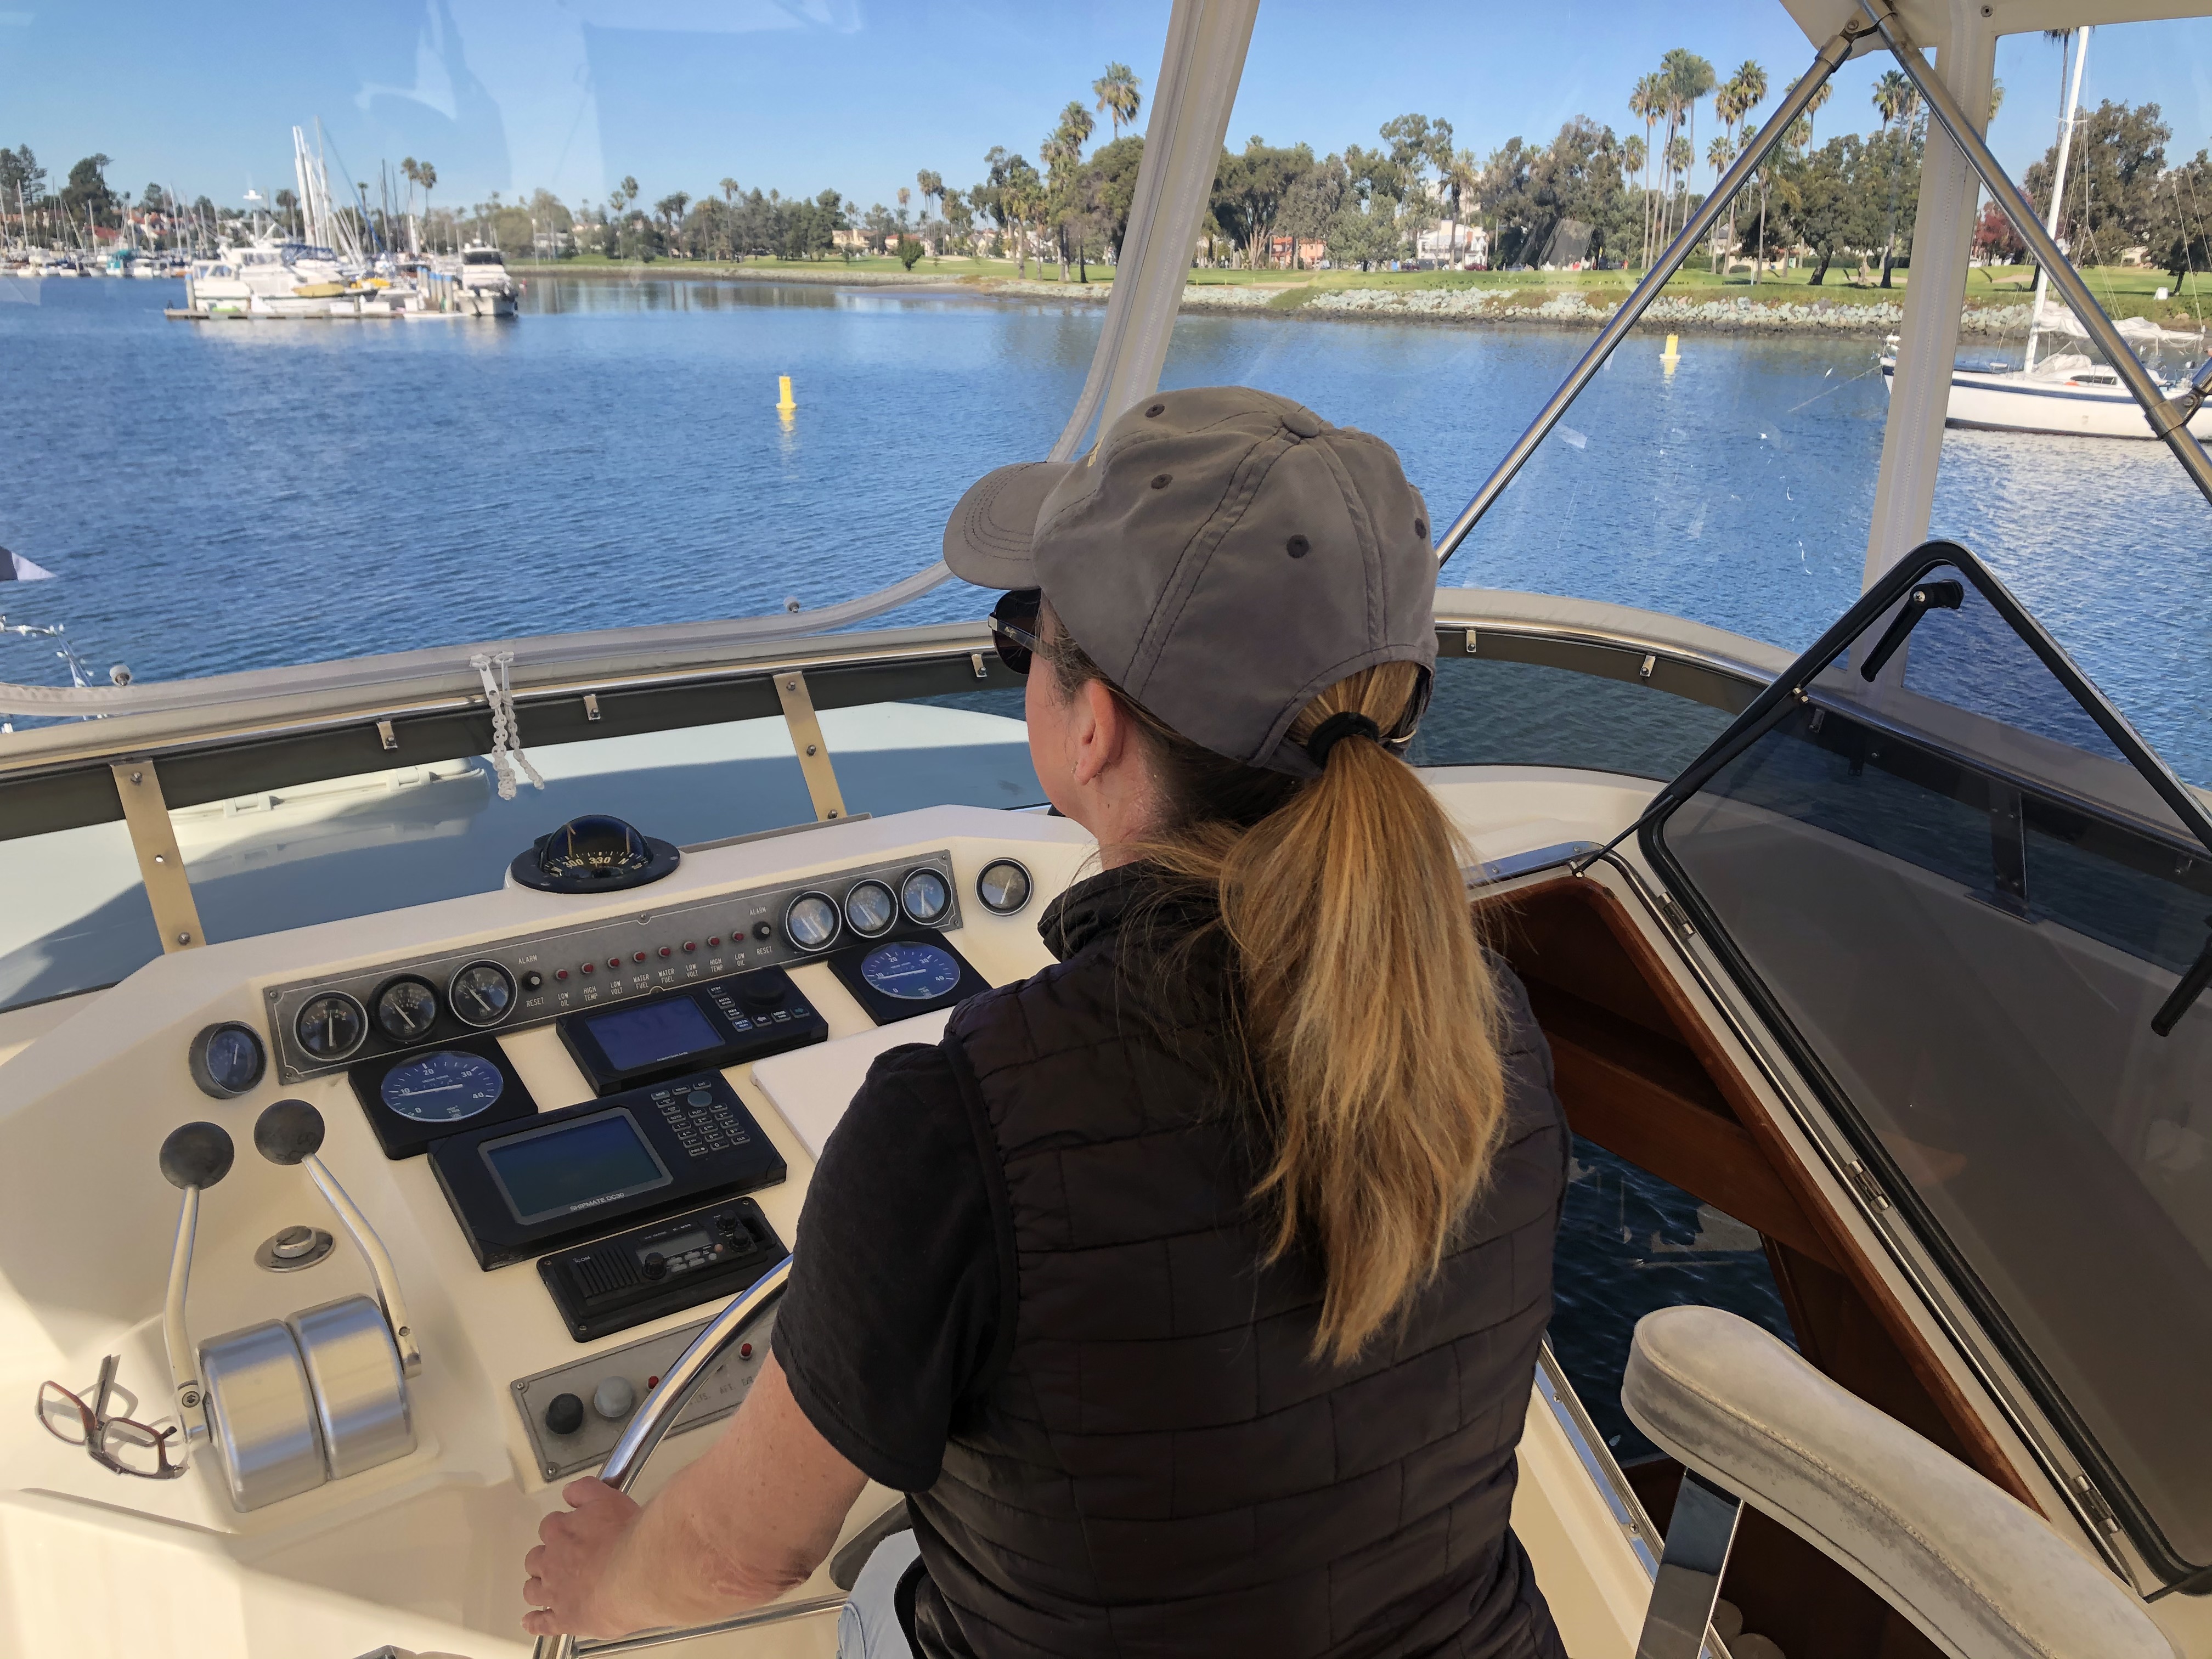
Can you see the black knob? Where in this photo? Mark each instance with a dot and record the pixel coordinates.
(655, 1265)
(197, 1155)
(727, 1225)
(765, 989)
(532, 979)
(565, 1415)
(762, 930)
(287, 1130)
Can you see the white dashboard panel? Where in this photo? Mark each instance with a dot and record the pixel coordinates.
(85, 1243)
(811, 1087)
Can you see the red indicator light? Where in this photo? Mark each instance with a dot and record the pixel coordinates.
(639, 957)
(745, 1351)
(688, 947)
(714, 943)
(614, 962)
(651, 1383)
(587, 967)
(664, 950)
(560, 973)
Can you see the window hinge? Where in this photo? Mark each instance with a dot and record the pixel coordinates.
(1643, 671)
(591, 707)
(1466, 642)
(386, 736)
(1675, 917)
(1870, 1188)
(2093, 1501)
(976, 660)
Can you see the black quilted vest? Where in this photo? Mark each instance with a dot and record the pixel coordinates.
(1158, 1467)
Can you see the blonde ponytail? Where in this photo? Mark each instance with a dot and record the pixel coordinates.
(1368, 1017)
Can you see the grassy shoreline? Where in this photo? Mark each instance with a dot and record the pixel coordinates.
(1694, 301)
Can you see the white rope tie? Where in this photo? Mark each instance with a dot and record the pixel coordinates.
(506, 729)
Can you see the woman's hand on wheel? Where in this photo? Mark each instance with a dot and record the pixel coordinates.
(572, 1583)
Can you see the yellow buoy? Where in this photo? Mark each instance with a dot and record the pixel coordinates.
(783, 402)
(1670, 356)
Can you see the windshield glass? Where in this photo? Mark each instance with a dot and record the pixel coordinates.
(1970, 912)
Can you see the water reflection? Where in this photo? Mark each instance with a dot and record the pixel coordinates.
(246, 494)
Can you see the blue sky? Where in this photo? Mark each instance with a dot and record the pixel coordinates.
(801, 95)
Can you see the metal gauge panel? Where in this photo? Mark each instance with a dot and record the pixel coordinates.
(503, 984)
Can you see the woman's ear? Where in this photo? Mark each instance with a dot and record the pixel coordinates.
(1099, 731)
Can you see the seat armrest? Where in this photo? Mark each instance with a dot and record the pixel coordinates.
(1980, 1574)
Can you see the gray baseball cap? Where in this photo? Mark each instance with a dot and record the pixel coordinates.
(1224, 555)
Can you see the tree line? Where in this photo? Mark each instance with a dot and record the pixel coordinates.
(1589, 196)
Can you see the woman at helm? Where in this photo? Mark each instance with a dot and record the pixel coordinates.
(1190, 1289)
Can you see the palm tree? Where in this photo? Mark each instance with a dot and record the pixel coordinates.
(1827, 90)
(1745, 91)
(1898, 100)
(1118, 98)
(1718, 155)
(1689, 78)
(1647, 103)
(1061, 152)
(1461, 177)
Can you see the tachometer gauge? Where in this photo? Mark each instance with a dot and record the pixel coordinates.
(445, 1087)
(926, 895)
(405, 1010)
(482, 994)
(810, 921)
(331, 1026)
(870, 908)
(912, 972)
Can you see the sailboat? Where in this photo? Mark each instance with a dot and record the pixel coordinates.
(2069, 391)
(1889, 952)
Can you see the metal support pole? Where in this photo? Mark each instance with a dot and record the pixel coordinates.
(1698, 1536)
(809, 744)
(2169, 419)
(161, 866)
(1825, 64)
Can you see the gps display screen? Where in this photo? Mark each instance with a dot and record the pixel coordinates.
(542, 1173)
(651, 1032)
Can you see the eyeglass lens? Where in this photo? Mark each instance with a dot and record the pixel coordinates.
(120, 1444)
(1014, 627)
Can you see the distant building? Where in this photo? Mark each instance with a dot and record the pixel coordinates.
(1310, 251)
(1453, 242)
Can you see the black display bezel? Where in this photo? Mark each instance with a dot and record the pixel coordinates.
(735, 1047)
(403, 1137)
(497, 1240)
(889, 1010)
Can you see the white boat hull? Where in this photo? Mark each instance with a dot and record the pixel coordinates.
(2015, 403)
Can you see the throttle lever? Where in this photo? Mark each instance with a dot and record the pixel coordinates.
(196, 1156)
(290, 1132)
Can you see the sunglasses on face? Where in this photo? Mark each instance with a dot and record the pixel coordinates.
(1014, 625)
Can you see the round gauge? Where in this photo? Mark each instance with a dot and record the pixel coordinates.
(444, 1087)
(482, 994)
(405, 1010)
(1004, 887)
(870, 908)
(913, 971)
(927, 896)
(331, 1026)
(810, 921)
(226, 1060)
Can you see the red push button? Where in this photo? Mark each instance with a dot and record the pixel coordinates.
(639, 957)
(714, 942)
(560, 973)
(664, 950)
(615, 962)
(688, 947)
(587, 967)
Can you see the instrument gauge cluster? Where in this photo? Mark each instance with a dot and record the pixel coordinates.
(432, 1003)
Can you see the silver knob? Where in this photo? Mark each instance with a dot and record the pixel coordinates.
(614, 1397)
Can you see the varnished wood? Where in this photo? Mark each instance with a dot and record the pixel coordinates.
(1641, 1074)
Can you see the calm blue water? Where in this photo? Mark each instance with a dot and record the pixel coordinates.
(236, 495)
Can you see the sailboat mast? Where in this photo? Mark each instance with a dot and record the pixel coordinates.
(2058, 182)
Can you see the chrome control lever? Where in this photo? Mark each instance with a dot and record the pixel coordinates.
(196, 1156)
(290, 1132)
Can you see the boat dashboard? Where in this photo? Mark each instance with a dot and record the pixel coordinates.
(535, 1137)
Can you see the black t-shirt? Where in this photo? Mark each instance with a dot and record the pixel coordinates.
(901, 1293)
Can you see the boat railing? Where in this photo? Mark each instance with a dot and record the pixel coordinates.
(1521, 679)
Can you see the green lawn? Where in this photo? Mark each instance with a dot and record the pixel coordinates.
(2126, 290)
